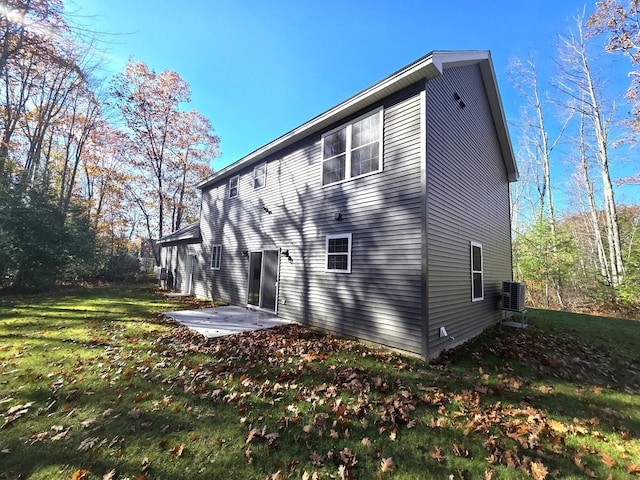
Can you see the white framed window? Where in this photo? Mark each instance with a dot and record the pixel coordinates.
(353, 150)
(260, 175)
(233, 186)
(338, 253)
(216, 256)
(477, 280)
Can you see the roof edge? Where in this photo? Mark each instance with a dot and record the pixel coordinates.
(188, 232)
(428, 67)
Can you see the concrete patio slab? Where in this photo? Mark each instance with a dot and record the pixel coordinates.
(228, 320)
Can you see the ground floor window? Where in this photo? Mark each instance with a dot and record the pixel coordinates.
(338, 253)
(477, 281)
(216, 256)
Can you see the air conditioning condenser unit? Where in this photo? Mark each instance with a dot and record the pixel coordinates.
(513, 296)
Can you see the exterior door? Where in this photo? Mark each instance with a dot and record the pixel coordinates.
(263, 279)
(188, 288)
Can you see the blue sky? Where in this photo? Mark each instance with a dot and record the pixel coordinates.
(257, 69)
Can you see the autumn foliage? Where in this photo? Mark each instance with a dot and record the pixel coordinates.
(107, 184)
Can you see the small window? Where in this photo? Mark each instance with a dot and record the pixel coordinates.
(216, 256)
(338, 253)
(233, 186)
(260, 176)
(352, 150)
(477, 282)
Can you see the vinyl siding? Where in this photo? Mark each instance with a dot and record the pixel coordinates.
(380, 300)
(467, 200)
(443, 185)
(175, 257)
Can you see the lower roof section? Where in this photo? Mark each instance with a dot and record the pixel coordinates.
(188, 234)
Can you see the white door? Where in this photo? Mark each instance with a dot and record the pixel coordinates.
(191, 261)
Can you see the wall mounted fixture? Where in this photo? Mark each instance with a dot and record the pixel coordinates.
(266, 210)
(462, 104)
(285, 253)
(456, 97)
(338, 216)
(245, 253)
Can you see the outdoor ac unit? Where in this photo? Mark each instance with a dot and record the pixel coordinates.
(513, 296)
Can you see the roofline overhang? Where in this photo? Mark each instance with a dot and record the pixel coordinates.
(426, 68)
(190, 232)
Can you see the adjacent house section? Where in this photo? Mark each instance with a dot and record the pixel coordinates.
(385, 218)
(180, 257)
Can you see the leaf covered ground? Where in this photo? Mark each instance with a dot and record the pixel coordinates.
(95, 384)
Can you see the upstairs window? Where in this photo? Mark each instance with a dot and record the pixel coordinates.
(233, 186)
(353, 149)
(260, 175)
(477, 282)
(338, 253)
(216, 256)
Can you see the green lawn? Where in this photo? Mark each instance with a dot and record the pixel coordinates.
(94, 384)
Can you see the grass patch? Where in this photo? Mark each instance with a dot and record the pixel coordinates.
(615, 334)
(93, 383)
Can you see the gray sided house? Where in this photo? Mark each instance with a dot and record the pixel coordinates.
(385, 218)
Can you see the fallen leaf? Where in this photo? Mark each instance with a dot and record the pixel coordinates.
(252, 434)
(177, 450)
(23, 407)
(316, 459)
(633, 469)
(342, 472)
(436, 454)
(80, 474)
(110, 475)
(608, 460)
(88, 443)
(135, 413)
(61, 433)
(88, 422)
(387, 465)
(538, 471)
(460, 450)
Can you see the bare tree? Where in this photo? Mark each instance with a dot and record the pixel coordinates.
(537, 132)
(588, 188)
(579, 85)
(536, 135)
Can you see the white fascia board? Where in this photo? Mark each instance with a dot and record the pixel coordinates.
(189, 232)
(499, 119)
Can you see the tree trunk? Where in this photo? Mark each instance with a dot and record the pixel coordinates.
(593, 210)
(600, 128)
